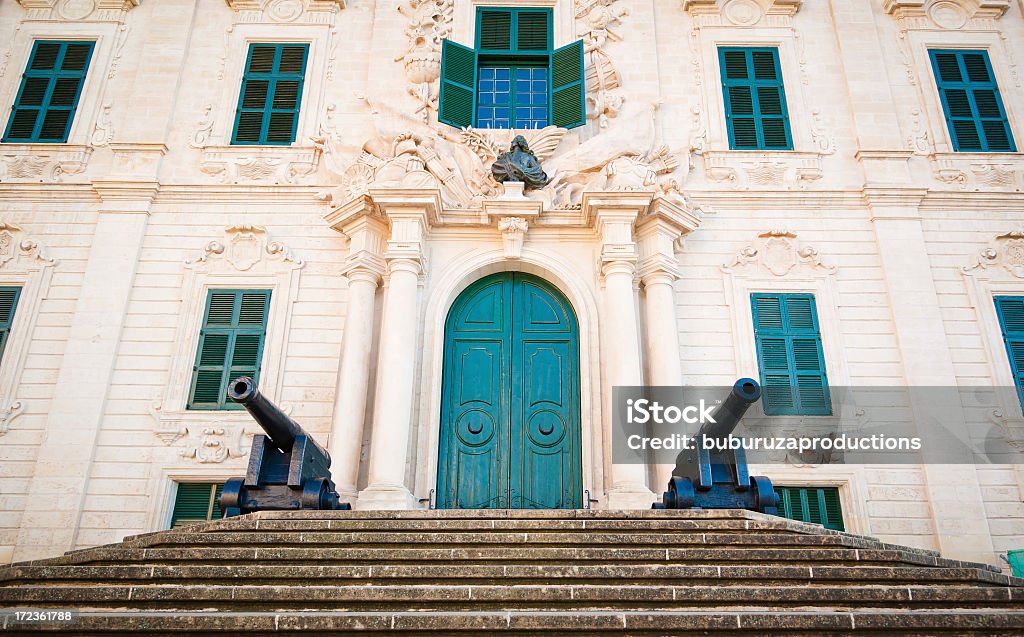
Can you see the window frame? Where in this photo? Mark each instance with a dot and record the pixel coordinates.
(804, 490)
(512, 58)
(754, 84)
(215, 490)
(1018, 379)
(268, 109)
(7, 327)
(942, 85)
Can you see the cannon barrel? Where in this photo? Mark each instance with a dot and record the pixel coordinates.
(281, 429)
(745, 393)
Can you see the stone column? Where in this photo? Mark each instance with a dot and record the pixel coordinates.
(364, 268)
(410, 213)
(614, 215)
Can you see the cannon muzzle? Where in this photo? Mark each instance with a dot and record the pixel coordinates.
(281, 429)
(745, 393)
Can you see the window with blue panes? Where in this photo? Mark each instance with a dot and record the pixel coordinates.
(789, 355)
(755, 99)
(1011, 320)
(271, 94)
(975, 115)
(51, 87)
(513, 78)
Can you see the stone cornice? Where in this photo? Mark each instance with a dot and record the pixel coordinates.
(971, 8)
(769, 7)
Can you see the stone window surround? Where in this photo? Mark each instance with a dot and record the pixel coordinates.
(563, 22)
(283, 282)
(982, 288)
(104, 34)
(239, 39)
(919, 41)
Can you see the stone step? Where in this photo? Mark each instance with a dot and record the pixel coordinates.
(680, 623)
(233, 598)
(272, 573)
(503, 554)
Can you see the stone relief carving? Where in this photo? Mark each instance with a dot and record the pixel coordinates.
(977, 171)
(430, 22)
(1010, 427)
(98, 10)
(742, 169)
(103, 131)
(43, 162)
(743, 12)
(1005, 251)
(779, 253)
(285, 11)
(244, 246)
(947, 14)
(513, 234)
(218, 442)
(597, 20)
(240, 164)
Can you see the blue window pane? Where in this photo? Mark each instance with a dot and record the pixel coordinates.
(501, 74)
(512, 97)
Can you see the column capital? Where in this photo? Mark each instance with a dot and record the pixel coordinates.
(364, 266)
(413, 265)
(618, 266)
(658, 271)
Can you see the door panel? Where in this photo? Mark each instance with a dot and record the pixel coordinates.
(510, 419)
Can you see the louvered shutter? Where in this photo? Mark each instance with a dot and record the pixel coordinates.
(790, 356)
(755, 100)
(230, 345)
(568, 95)
(494, 30)
(971, 102)
(1011, 319)
(458, 85)
(271, 94)
(50, 90)
(533, 31)
(816, 505)
(8, 304)
(196, 502)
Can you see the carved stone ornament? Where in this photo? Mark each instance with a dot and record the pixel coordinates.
(429, 23)
(216, 443)
(1010, 428)
(513, 233)
(978, 171)
(285, 11)
(73, 10)
(778, 252)
(19, 250)
(457, 162)
(243, 165)
(742, 12)
(1005, 252)
(759, 169)
(597, 22)
(947, 14)
(41, 163)
(245, 246)
(8, 414)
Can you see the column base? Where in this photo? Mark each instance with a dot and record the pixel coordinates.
(631, 497)
(385, 497)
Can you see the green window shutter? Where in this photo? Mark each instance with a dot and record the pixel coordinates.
(568, 96)
(230, 345)
(196, 502)
(271, 94)
(533, 31)
(755, 99)
(458, 84)
(789, 354)
(816, 505)
(8, 304)
(970, 98)
(50, 89)
(1011, 320)
(494, 30)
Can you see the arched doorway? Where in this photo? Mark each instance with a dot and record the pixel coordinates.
(510, 398)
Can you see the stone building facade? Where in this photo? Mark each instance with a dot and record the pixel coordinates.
(369, 219)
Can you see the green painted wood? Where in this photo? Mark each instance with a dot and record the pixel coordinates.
(271, 94)
(196, 502)
(230, 345)
(458, 85)
(1011, 321)
(510, 414)
(975, 115)
(755, 99)
(568, 96)
(816, 505)
(51, 86)
(8, 305)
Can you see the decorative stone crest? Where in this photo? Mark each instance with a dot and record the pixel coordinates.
(978, 171)
(241, 165)
(43, 162)
(779, 253)
(218, 442)
(1006, 251)
(742, 12)
(244, 246)
(947, 14)
(513, 234)
(762, 169)
(430, 22)
(286, 10)
(75, 10)
(14, 243)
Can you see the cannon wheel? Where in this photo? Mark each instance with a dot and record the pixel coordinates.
(315, 494)
(680, 493)
(767, 500)
(231, 497)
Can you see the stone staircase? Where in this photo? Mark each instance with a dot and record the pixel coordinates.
(515, 572)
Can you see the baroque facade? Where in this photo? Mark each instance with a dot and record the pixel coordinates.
(286, 166)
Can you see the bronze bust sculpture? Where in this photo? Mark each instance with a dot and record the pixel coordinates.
(519, 164)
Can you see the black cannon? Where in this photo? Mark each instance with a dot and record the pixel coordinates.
(717, 478)
(287, 470)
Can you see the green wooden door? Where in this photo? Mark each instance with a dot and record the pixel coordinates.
(510, 411)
